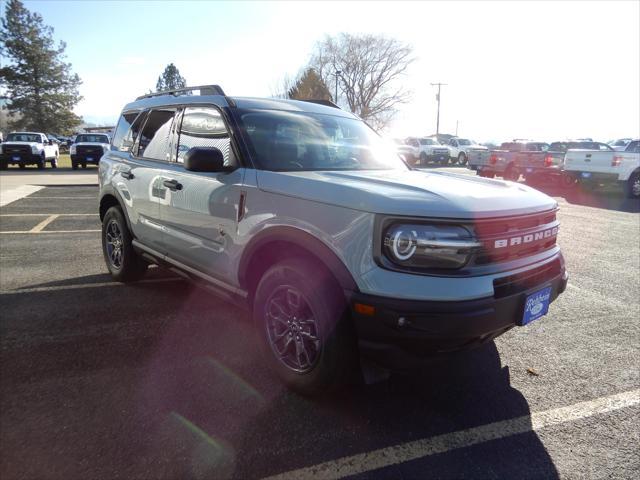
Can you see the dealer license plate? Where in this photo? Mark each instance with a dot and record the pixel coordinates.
(585, 174)
(89, 159)
(529, 170)
(16, 159)
(536, 305)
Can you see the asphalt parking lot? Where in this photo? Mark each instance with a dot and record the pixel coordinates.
(161, 380)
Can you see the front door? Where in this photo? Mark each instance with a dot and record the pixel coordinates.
(200, 210)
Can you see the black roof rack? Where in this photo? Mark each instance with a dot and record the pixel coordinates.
(326, 103)
(204, 90)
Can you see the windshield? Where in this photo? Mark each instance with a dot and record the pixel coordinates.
(290, 141)
(464, 141)
(428, 141)
(91, 138)
(24, 137)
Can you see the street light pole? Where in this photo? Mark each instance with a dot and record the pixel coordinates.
(438, 98)
(337, 74)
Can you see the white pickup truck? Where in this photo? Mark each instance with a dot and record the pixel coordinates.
(596, 167)
(459, 149)
(28, 148)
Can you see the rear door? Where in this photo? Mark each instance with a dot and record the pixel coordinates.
(199, 212)
(140, 180)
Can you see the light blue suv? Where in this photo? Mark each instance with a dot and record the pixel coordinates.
(300, 212)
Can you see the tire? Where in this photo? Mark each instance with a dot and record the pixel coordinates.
(124, 264)
(423, 158)
(511, 174)
(632, 187)
(41, 163)
(4, 165)
(74, 165)
(22, 166)
(297, 289)
(84, 164)
(462, 159)
(54, 162)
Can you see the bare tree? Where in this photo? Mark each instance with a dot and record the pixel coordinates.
(281, 88)
(370, 68)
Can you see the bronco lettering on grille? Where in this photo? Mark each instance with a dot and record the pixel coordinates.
(522, 239)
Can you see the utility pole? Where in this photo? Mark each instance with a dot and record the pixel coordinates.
(438, 99)
(456, 128)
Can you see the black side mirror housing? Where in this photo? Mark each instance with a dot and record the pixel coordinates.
(204, 159)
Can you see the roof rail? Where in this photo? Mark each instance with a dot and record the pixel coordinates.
(204, 90)
(326, 103)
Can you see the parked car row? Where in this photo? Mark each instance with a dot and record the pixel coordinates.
(565, 163)
(422, 150)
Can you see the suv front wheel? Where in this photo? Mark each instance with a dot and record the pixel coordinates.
(299, 313)
(124, 264)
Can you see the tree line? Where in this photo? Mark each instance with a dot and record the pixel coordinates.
(362, 73)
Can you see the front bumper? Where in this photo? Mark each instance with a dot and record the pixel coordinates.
(20, 158)
(86, 158)
(434, 327)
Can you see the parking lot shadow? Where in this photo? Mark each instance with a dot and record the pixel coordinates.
(165, 381)
(609, 198)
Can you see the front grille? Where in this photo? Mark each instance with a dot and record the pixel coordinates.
(16, 149)
(521, 282)
(515, 237)
(86, 151)
(441, 152)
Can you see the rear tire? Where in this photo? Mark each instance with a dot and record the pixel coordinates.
(298, 307)
(632, 187)
(511, 174)
(124, 264)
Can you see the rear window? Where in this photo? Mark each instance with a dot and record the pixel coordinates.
(633, 147)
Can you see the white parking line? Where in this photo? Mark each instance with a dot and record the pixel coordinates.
(31, 232)
(384, 457)
(86, 285)
(55, 198)
(39, 227)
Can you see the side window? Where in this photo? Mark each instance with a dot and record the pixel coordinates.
(633, 147)
(604, 147)
(204, 127)
(156, 134)
(129, 138)
(124, 124)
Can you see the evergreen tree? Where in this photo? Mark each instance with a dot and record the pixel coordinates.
(40, 87)
(309, 86)
(170, 79)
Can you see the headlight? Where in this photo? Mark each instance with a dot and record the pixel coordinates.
(428, 246)
(105, 148)
(72, 149)
(34, 149)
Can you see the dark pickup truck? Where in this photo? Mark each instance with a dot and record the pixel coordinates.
(509, 160)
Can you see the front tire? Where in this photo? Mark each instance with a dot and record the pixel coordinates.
(300, 315)
(462, 159)
(423, 158)
(632, 186)
(124, 264)
(41, 163)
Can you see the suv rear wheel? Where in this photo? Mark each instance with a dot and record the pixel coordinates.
(299, 313)
(124, 264)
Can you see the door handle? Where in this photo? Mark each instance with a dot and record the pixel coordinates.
(127, 175)
(172, 184)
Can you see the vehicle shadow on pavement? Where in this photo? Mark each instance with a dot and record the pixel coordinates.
(608, 198)
(165, 381)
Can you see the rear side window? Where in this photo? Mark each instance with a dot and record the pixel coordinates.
(633, 147)
(204, 127)
(124, 124)
(156, 134)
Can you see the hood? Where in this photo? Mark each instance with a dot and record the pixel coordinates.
(409, 192)
(475, 147)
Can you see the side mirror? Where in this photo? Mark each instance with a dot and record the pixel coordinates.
(50, 142)
(204, 159)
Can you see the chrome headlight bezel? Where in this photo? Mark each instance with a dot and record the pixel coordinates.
(426, 246)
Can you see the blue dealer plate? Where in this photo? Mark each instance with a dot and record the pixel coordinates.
(585, 174)
(16, 159)
(89, 159)
(536, 305)
(529, 170)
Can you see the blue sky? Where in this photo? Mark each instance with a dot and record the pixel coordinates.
(546, 70)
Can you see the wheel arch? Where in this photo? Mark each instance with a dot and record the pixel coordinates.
(275, 244)
(110, 199)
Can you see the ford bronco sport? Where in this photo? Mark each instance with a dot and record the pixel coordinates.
(301, 212)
